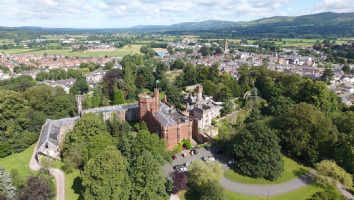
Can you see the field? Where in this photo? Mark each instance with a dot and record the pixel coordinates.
(191, 37)
(19, 161)
(228, 40)
(298, 42)
(68, 52)
(292, 170)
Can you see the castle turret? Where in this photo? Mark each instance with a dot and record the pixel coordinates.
(199, 93)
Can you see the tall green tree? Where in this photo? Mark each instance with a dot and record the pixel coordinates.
(189, 76)
(201, 173)
(118, 97)
(106, 176)
(148, 182)
(80, 86)
(13, 113)
(306, 132)
(65, 106)
(130, 70)
(95, 101)
(174, 95)
(97, 145)
(327, 75)
(262, 159)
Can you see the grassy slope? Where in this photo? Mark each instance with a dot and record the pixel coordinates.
(19, 161)
(292, 170)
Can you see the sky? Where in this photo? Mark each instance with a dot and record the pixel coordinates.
(128, 13)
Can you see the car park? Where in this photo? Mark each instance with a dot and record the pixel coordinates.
(207, 148)
(231, 162)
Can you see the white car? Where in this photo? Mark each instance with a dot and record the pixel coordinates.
(209, 159)
(231, 162)
(182, 169)
(188, 163)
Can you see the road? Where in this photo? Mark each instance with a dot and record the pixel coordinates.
(57, 173)
(252, 190)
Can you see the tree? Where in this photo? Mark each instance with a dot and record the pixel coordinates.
(254, 116)
(130, 75)
(278, 106)
(95, 101)
(250, 162)
(148, 182)
(65, 106)
(17, 180)
(116, 128)
(218, 50)
(46, 163)
(174, 95)
(346, 69)
(80, 86)
(327, 75)
(214, 73)
(140, 82)
(6, 187)
(306, 132)
(344, 122)
(178, 64)
(329, 172)
(106, 176)
(97, 145)
(201, 173)
(5, 149)
(37, 188)
(13, 113)
(147, 73)
(213, 191)
(189, 76)
(110, 79)
(226, 108)
(118, 97)
(180, 181)
(42, 76)
(344, 156)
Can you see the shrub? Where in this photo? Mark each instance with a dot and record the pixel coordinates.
(177, 148)
(4, 149)
(188, 143)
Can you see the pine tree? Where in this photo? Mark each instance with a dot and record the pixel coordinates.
(95, 101)
(6, 187)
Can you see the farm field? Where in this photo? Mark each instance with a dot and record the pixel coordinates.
(295, 41)
(228, 40)
(68, 52)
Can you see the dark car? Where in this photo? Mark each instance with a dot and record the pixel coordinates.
(195, 151)
(219, 151)
(207, 148)
(177, 167)
(174, 157)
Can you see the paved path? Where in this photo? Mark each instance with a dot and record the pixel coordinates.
(174, 197)
(57, 173)
(344, 191)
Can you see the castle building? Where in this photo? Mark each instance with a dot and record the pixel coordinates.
(164, 120)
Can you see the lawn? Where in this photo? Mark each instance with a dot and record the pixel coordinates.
(13, 51)
(172, 75)
(300, 194)
(292, 170)
(19, 161)
(72, 182)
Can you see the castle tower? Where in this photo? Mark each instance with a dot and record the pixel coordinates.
(79, 99)
(148, 103)
(199, 93)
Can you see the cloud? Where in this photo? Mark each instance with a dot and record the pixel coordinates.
(289, 9)
(336, 5)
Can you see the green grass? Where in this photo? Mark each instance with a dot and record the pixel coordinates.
(19, 161)
(68, 52)
(172, 75)
(300, 194)
(72, 181)
(293, 42)
(292, 170)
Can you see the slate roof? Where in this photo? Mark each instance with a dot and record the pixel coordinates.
(110, 108)
(50, 132)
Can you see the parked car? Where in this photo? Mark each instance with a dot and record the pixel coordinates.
(207, 148)
(187, 163)
(208, 158)
(219, 151)
(182, 169)
(177, 166)
(174, 157)
(231, 162)
(195, 151)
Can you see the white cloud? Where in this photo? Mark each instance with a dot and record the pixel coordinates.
(289, 9)
(336, 5)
